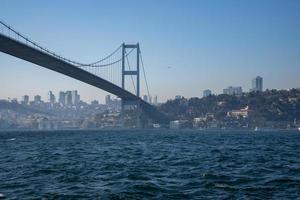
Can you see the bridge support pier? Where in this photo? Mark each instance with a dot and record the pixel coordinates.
(37, 55)
(131, 72)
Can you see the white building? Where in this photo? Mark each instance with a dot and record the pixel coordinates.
(241, 113)
(177, 124)
(233, 90)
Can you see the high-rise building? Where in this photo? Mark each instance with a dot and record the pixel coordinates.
(206, 93)
(51, 97)
(25, 99)
(75, 97)
(155, 100)
(150, 99)
(145, 98)
(178, 97)
(62, 97)
(37, 99)
(78, 98)
(107, 99)
(257, 84)
(68, 98)
(233, 90)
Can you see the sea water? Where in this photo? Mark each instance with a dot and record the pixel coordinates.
(148, 164)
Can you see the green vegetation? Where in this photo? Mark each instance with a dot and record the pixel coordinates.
(270, 108)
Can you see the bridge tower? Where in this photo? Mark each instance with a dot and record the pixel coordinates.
(131, 72)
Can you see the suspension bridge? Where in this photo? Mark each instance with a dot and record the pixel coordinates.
(108, 73)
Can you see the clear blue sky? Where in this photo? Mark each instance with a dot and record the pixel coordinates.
(187, 46)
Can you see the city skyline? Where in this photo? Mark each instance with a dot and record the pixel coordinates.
(56, 97)
(256, 85)
(193, 41)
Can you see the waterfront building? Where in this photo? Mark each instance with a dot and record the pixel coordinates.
(178, 124)
(199, 122)
(174, 124)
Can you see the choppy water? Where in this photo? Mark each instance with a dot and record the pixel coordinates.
(149, 165)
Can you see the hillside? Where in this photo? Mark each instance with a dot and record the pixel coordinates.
(269, 106)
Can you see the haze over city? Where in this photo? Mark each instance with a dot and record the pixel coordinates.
(157, 99)
(187, 47)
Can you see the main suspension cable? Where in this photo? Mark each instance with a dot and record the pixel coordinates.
(144, 72)
(27, 40)
(114, 62)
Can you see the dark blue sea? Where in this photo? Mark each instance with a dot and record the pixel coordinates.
(159, 164)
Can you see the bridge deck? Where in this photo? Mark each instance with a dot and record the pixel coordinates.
(30, 54)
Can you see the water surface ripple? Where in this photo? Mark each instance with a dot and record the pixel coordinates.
(149, 165)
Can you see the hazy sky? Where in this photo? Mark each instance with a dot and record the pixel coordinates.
(187, 46)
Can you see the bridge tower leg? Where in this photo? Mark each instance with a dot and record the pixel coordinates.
(131, 72)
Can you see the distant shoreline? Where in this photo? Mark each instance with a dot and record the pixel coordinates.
(154, 130)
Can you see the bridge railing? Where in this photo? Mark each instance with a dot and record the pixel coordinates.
(13, 34)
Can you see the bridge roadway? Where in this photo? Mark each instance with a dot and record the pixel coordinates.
(25, 52)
